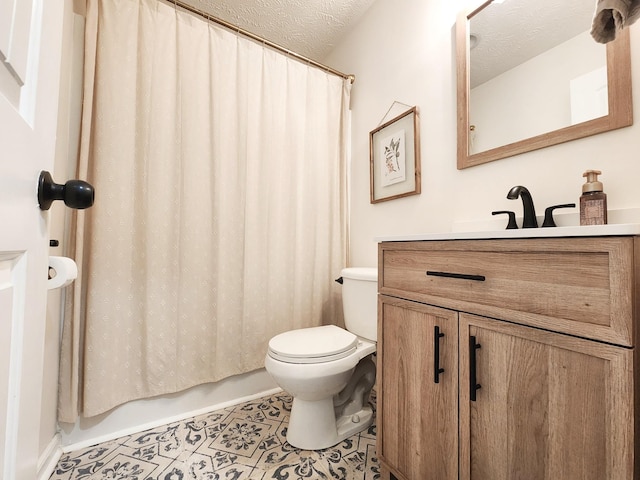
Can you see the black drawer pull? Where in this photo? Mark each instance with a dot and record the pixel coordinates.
(462, 276)
(474, 386)
(436, 354)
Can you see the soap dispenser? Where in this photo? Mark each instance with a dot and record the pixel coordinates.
(593, 201)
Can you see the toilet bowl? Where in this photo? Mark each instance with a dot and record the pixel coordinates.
(329, 370)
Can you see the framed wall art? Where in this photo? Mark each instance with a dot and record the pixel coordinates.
(394, 149)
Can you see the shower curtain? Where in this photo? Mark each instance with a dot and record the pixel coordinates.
(220, 211)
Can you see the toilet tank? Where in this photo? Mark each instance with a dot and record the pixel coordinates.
(360, 301)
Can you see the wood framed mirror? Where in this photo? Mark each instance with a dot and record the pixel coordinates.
(601, 95)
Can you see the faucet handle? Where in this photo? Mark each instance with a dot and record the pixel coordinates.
(548, 214)
(512, 218)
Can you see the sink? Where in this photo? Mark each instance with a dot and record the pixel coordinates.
(553, 232)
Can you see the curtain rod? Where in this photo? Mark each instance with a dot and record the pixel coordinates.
(262, 40)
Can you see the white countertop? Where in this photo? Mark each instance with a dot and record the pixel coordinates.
(553, 232)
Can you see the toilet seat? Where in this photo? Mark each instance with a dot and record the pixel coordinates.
(313, 345)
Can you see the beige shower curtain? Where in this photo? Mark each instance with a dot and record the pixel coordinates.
(219, 219)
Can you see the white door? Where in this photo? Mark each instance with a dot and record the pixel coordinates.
(30, 50)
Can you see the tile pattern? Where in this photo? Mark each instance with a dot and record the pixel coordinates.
(246, 441)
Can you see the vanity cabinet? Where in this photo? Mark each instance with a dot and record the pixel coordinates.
(538, 358)
(549, 406)
(418, 436)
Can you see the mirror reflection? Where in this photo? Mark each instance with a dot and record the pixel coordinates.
(530, 75)
(533, 69)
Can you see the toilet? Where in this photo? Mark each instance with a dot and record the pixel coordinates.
(329, 371)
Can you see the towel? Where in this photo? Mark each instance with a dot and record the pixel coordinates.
(612, 16)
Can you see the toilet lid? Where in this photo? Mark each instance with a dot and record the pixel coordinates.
(313, 345)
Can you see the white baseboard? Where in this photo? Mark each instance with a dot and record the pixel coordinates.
(50, 458)
(165, 421)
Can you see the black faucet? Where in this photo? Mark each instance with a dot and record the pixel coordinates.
(529, 220)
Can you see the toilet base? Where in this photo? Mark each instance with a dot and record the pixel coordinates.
(313, 425)
(319, 424)
(355, 423)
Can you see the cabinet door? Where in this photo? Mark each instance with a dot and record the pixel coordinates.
(417, 417)
(548, 406)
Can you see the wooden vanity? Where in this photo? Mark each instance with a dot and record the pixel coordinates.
(510, 358)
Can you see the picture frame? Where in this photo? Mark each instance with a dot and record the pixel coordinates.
(394, 151)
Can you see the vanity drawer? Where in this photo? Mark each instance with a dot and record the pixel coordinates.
(581, 286)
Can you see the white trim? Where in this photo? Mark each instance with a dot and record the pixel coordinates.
(16, 264)
(50, 458)
(166, 420)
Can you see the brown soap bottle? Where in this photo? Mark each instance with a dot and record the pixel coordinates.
(593, 201)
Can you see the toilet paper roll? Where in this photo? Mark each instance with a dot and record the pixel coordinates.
(66, 271)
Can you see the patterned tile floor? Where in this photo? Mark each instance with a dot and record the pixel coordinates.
(246, 441)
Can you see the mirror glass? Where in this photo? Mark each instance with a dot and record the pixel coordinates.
(530, 75)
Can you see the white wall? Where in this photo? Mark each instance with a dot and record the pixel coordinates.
(405, 51)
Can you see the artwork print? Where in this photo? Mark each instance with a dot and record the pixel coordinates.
(393, 168)
(394, 158)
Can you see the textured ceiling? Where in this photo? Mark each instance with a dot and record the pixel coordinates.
(508, 33)
(308, 27)
(517, 30)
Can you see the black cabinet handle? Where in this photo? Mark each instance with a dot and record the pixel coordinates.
(462, 276)
(436, 354)
(473, 379)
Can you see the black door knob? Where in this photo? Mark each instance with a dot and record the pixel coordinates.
(75, 193)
